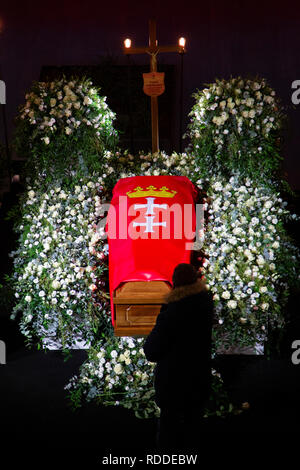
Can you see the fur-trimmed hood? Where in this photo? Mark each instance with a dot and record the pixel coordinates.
(179, 293)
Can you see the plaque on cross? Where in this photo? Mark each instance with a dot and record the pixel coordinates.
(153, 49)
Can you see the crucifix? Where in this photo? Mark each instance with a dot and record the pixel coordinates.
(153, 49)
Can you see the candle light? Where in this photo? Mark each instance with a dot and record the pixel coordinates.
(127, 43)
(181, 42)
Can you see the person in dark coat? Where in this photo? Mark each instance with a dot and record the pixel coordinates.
(180, 344)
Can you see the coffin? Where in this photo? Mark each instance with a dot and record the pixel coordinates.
(136, 306)
(147, 231)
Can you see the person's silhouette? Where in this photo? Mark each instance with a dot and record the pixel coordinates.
(180, 344)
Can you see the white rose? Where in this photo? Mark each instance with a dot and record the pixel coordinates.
(28, 298)
(232, 304)
(56, 284)
(249, 102)
(118, 369)
(254, 221)
(225, 295)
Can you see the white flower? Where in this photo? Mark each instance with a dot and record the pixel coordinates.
(118, 369)
(87, 100)
(268, 204)
(218, 186)
(254, 221)
(249, 102)
(225, 294)
(28, 298)
(232, 304)
(260, 260)
(68, 131)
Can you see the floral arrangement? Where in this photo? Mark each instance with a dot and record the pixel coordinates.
(235, 125)
(64, 126)
(54, 271)
(251, 263)
(117, 373)
(248, 260)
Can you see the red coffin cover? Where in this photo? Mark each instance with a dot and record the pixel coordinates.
(150, 251)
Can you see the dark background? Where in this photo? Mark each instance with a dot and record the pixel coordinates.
(223, 39)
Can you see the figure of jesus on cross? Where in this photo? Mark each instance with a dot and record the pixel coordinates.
(153, 49)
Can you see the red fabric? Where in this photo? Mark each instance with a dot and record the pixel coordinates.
(151, 257)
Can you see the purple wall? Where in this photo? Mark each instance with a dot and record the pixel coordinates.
(223, 39)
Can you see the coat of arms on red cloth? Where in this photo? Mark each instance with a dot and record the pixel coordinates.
(151, 227)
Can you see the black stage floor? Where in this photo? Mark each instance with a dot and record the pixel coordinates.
(34, 409)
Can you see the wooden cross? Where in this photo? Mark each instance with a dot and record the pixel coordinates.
(153, 49)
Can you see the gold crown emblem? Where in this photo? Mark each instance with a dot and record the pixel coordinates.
(152, 191)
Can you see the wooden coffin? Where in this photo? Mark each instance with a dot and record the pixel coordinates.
(136, 306)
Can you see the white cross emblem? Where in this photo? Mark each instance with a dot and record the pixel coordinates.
(149, 224)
